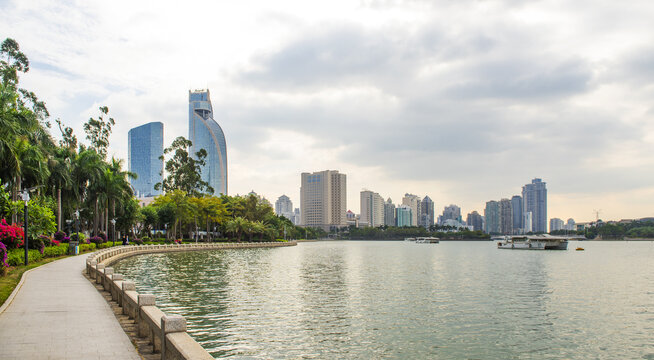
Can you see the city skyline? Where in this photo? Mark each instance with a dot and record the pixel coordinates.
(145, 146)
(397, 95)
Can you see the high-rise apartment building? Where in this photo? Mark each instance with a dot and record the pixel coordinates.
(205, 133)
(323, 199)
(571, 225)
(451, 212)
(492, 215)
(426, 218)
(372, 209)
(556, 224)
(528, 222)
(475, 220)
(389, 213)
(144, 147)
(534, 198)
(413, 202)
(403, 216)
(506, 217)
(284, 207)
(516, 209)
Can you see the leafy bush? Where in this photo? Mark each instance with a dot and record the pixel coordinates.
(137, 241)
(54, 251)
(17, 256)
(159, 234)
(108, 244)
(3, 257)
(97, 240)
(145, 238)
(36, 244)
(11, 235)
(47, 241)
(86, 247)
(103, 236)
(59, 236)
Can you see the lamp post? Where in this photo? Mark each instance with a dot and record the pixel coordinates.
(166, 228)
(26, 199)
(113, 223)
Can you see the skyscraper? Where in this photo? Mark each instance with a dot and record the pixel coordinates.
(205, 133)
(372, 209)
(426, 218)
(323, 199)
(389, 213)
(284, 207)
(451, 212)
(475, 220)
(412, 201)
(516, 209)
(403, 216)
(506, 217)
(492, 215)
(556, 224)
(144, 147)
(534, 198)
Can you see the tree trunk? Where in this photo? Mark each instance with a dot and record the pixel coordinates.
(96, 218)
(59, 209)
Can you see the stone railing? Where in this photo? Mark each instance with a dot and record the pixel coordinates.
(166, 333)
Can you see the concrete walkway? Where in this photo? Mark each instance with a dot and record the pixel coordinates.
(58, 314)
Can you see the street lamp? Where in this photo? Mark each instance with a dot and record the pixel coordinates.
(26, 199)
(166, 228)
(113, 223)
(77, 224)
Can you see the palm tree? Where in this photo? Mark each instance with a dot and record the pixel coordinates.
(87, 168)
(60, 166)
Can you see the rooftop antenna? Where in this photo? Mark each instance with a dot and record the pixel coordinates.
(597, 213)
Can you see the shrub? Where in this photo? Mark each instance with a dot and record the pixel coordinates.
(54, 251)
(11, 235)
(108, 244)
(145, 238)
(36, 244)
(96, 240)
(86, 247)
(17, 257)
(158, 234)
(3, 257)
(103, 236)
(47, 241)
(137, 241)
(59, 236)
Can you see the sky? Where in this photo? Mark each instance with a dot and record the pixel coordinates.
(465, 101)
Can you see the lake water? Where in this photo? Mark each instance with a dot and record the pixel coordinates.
(399, 300)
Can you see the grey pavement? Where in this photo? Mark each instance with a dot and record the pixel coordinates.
(58, 314)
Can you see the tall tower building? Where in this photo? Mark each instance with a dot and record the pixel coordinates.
(284, 207)
(492, 216)
(403, 216)
(451, 212)
(205, 133)
(475, 220)
(323, 199)
(516, 209)
(506, 217)
(534, 199)
(372, 209)
(413, 202)
(144, 147)
(426, 218)
(389, 213)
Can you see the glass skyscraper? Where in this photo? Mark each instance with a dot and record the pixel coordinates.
(534, 199)
(144, 147)
(205, 133)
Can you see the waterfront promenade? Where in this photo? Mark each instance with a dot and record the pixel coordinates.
(58, 314)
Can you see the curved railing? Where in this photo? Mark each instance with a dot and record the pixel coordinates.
(166, 333)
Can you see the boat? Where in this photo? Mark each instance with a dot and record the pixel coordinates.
(427, 240)
(533, 242)
(579, 249)
(409, 239)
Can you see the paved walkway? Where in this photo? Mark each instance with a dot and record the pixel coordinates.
(58, 314)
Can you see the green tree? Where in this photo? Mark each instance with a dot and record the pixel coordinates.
(184, 171)
(98, 132)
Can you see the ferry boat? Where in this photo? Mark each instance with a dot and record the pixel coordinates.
(533, 242)
(427, 240)
(409, 239)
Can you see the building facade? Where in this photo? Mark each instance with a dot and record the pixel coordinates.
(372, 209)
(284, 207)
(323, 199)
(205, 133)
(389, 213)
(492, 216)
(556, 224)
(413, 202)
(403, 216)
(475, 220)
(426, 218)
(506, 217)
(516, 209)
(144, 148)
(534, 198)
(450, 212)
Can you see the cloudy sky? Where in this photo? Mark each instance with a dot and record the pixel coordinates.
(461, 100)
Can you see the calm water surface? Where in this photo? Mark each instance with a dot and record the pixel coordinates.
(397, 300)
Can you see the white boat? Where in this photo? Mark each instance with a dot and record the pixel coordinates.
(533, 242)
(409, 239)
(427, 240)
